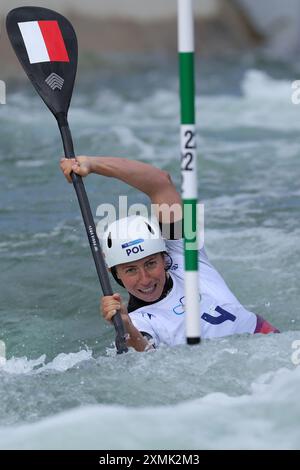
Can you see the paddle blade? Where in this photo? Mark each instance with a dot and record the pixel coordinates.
(46, 46)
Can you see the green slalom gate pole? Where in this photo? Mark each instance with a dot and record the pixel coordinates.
(189, 168)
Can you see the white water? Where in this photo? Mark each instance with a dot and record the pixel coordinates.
(265, 418)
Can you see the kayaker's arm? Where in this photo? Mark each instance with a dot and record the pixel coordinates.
(152, 181)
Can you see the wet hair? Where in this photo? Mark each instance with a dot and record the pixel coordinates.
(168, 263)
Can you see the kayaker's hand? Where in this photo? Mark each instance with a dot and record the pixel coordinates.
(81, 165)
(109, 306)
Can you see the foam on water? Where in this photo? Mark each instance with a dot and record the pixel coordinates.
(258, 85)
(31, 163)
(260, 420)
(61, 363)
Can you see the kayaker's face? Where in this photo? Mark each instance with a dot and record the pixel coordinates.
(145, 278)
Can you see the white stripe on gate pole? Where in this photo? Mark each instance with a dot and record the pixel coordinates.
(189, 167)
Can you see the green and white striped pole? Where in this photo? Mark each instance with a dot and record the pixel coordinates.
(189, 167)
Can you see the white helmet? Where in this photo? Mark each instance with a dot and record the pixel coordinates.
(131, 239)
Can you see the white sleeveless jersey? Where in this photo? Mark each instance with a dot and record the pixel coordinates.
(221, 312)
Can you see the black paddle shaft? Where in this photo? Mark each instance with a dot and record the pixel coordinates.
(91, 230)
(46, 46)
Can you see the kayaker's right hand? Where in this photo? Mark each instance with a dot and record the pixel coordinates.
(79, 165)
(109, 306)
(134, 338)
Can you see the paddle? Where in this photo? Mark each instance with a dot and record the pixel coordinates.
(46, 46)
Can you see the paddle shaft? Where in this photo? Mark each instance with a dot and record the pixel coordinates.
(91, 230)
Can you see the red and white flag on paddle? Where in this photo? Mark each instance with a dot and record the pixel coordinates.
(43, 41)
